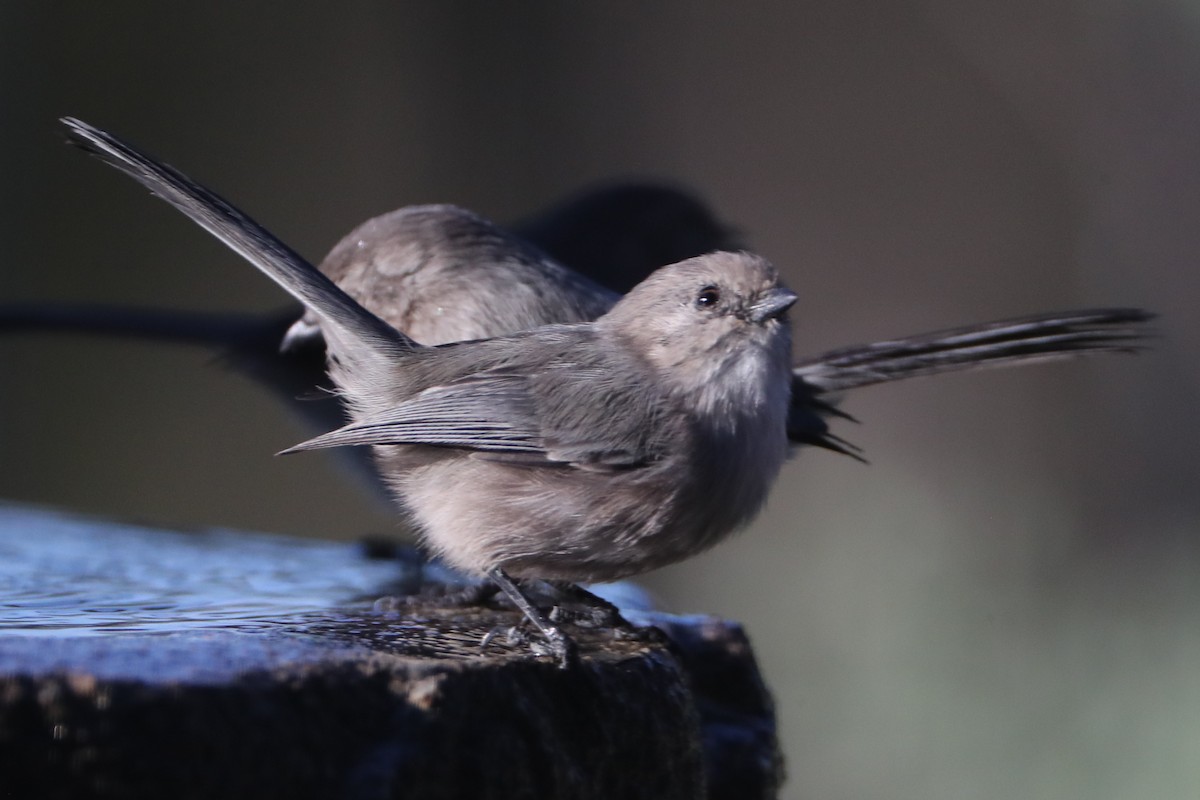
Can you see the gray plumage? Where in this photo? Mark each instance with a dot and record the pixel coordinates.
(597, 450)
(578, 452)
(441, 274)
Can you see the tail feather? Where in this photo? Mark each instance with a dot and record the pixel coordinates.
(1001, 343)
(246, 237)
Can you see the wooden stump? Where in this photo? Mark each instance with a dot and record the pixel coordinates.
(141, 663)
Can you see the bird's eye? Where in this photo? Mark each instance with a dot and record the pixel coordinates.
(708, 297)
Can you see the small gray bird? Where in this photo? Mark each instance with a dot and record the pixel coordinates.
(588, 451)
(583, 452)
(442, 273)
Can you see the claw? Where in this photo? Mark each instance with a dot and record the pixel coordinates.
(512, 635)
(560, 645)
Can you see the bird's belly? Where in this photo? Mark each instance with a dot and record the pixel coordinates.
(561, 523)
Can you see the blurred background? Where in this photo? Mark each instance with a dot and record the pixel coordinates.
(1004, 603)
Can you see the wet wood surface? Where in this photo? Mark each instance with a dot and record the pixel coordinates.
(137, 662)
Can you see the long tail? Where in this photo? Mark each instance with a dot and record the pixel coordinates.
(991, 344)
(1024, 340)
(373, 336)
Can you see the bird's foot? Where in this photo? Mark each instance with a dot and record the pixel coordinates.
(554, 642)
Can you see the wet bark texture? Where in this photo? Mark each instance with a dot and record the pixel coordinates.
(112, 686)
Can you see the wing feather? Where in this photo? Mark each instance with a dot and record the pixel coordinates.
(494, 413)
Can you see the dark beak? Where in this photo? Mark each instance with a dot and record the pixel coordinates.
(772, 305)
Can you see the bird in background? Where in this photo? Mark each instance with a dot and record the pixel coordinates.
(442, 273)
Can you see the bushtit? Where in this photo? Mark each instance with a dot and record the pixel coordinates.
(587, 451)
(443, 274)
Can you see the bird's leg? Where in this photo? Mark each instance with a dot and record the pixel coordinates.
(560, 644)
